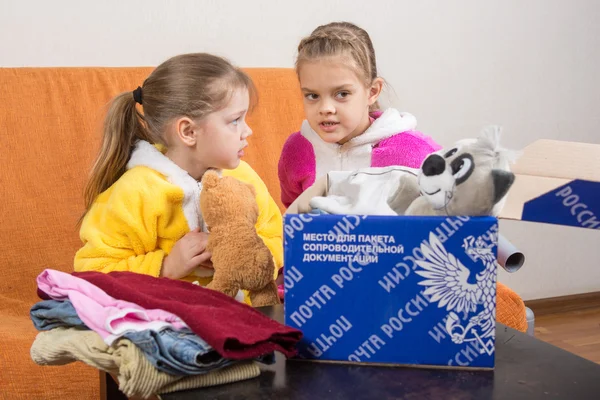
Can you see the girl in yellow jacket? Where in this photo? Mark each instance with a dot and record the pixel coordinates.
(142, 198)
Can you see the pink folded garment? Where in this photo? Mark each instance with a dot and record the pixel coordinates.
(109, 317)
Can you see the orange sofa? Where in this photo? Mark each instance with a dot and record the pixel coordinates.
(49, 134)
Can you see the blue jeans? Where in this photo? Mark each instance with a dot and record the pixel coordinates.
(176, 352)
(180, 352)
(50, 314)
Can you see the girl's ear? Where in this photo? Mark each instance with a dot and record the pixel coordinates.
(375, 90)
(186, 131)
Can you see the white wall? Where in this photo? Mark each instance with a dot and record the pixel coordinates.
(530, 65)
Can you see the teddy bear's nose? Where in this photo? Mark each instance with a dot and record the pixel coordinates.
(433, 165)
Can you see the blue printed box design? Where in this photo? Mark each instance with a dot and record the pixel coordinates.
(392, 290)
(575, 204)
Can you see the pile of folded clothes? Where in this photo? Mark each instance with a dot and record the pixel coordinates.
(155, 335)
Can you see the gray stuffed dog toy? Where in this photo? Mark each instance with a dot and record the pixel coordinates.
(472, 178)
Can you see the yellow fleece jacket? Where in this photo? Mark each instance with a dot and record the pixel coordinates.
(136, 222)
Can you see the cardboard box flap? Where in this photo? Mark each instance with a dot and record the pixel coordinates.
(556, 182)
(558, 159)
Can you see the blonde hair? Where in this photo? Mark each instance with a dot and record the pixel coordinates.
(191, 85)
(341, 39)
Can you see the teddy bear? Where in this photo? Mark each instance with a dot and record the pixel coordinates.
(240, 258)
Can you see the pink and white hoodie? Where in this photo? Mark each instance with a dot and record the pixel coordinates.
(109, 317)
(390, 140)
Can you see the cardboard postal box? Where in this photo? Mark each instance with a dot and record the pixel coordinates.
(421, 291)
(392, 290)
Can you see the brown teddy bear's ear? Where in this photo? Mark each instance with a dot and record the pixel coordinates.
(210, 179)
(252, 189)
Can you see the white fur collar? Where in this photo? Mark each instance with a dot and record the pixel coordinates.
(145, 154)
(356, 153)
(388, 124)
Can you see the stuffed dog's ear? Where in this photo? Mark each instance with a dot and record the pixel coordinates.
(503, 180)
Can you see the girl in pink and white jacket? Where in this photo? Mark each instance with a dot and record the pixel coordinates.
(344, 128)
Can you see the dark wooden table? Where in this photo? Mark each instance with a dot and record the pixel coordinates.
(526, 368)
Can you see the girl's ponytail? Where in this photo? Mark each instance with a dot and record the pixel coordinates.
(122, 127)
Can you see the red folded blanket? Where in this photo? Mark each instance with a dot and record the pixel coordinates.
(234, 330)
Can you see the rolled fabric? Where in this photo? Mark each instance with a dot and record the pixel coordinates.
(509, 257)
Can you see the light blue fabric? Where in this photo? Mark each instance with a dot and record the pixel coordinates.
(50, 314)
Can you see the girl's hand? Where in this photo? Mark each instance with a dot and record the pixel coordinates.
(188, 253)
